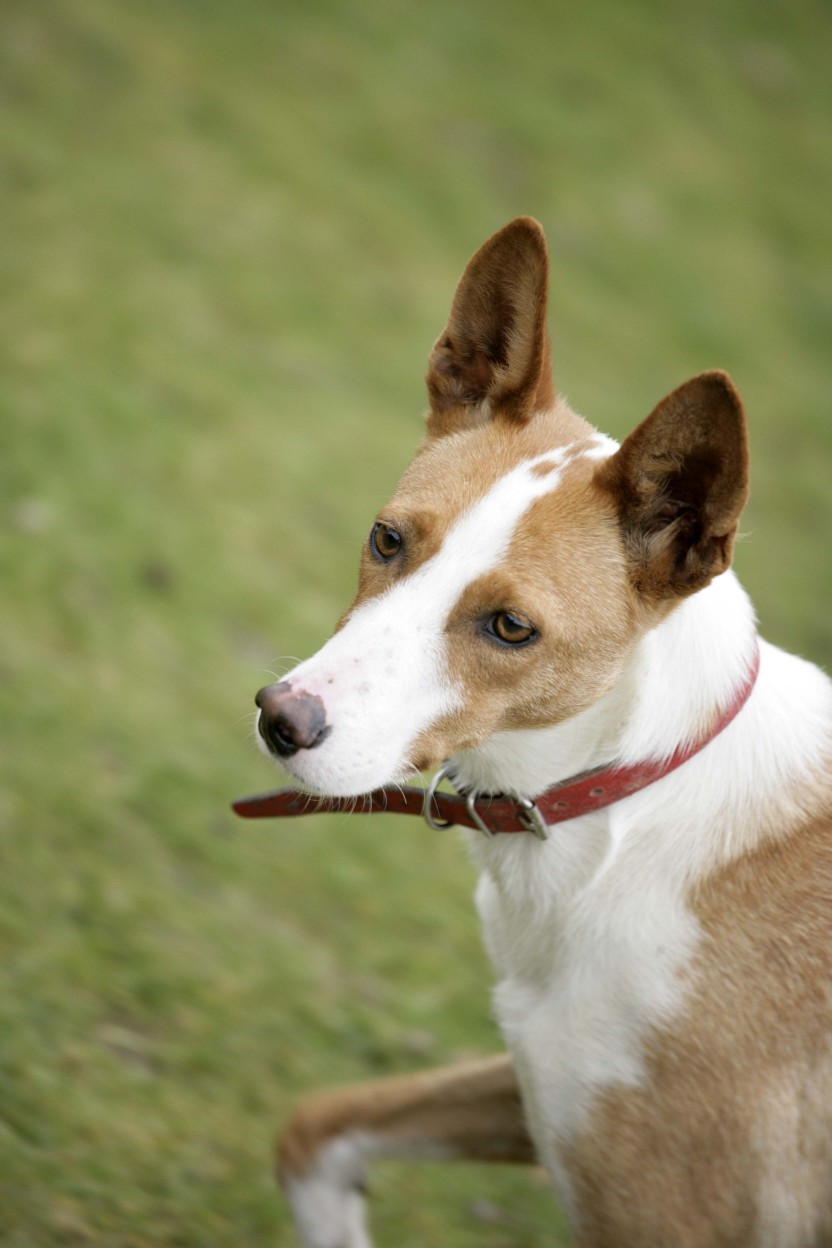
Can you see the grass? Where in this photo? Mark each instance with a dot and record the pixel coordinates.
(231, 234)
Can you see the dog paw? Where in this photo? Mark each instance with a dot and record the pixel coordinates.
(326, 1195)
(326, 1215)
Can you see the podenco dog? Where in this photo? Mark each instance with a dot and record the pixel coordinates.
(535, 602)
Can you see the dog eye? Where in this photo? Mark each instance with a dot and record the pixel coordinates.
(510, 629)
(385, 541)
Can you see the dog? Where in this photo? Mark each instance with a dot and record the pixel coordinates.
(542, 612)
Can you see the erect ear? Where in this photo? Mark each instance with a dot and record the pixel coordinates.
(493, 357)
(679, 483)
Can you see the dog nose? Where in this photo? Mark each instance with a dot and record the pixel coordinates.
(290, 721)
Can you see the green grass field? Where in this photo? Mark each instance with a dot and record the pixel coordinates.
(230, 235)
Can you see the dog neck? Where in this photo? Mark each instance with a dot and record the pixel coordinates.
(676, 678)
(755, 782)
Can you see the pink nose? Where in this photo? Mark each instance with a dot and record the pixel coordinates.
(290, 721)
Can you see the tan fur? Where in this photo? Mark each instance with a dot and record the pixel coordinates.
(754, 1041)
(473, 1108)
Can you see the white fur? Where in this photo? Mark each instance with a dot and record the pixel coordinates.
(327, 1202)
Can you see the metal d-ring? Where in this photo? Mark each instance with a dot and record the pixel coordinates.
(479, 822)
(430, 792)
(532, 820)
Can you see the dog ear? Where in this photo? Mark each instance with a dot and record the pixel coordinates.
(493, 357)
(679, 483)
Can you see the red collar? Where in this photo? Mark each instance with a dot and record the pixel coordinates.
(580, 795)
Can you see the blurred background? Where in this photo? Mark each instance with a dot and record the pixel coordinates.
(230, 235)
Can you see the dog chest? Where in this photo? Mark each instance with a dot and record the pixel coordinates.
(582, 983)
(674, 1053)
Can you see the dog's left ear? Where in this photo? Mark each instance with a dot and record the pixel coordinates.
(493, 357)
(679, 483)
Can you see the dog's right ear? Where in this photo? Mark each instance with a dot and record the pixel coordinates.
(492, 360)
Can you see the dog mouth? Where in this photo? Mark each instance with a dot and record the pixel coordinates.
(339, 732)
(353, 780)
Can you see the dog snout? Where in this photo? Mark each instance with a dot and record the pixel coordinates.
(289, 720)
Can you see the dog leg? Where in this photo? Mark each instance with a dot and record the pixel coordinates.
(471, 1111)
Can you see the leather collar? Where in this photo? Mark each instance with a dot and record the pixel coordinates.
(579, 795)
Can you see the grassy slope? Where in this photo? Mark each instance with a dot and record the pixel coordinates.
(234, 231)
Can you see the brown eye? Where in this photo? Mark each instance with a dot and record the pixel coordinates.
(385, 541)
(510, 629)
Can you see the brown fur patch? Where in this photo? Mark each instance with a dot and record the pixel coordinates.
(473, 1109)
(729, 1142)
(544, 468)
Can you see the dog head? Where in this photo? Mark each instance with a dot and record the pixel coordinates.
(522, 555)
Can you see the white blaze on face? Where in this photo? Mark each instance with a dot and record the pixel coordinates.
(383, 678)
